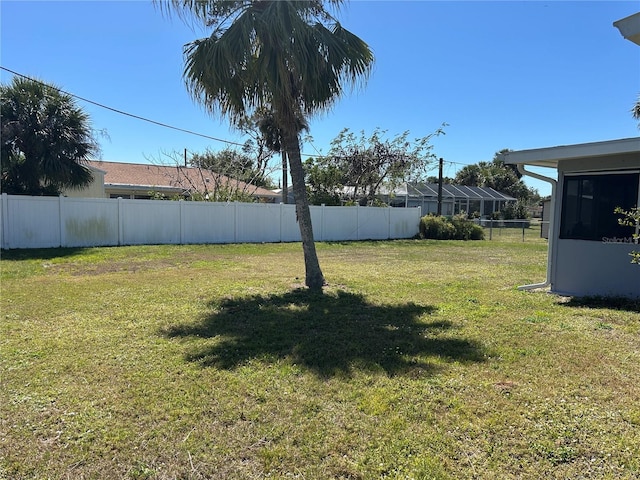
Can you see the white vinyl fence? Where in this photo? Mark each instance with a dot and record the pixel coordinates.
(44, 222)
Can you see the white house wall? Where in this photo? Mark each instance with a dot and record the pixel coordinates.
(582, 267)
(592, 268)
(94, 190)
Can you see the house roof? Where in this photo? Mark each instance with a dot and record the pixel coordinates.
(550, 156)
(430, 190)
(175, 178)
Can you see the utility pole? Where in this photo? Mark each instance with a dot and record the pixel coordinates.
(440, 188)
(285, 181)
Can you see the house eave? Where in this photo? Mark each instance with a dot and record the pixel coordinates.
(550, 156)
(630, 27)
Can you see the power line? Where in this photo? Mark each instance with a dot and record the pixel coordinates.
(154, 122)
(137, 117)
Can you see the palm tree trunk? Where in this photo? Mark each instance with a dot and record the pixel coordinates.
(314, 278)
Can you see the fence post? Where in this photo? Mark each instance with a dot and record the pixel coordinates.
(63, 237)
(181, 215)
(4, 236)
(322, 208)
(491, 229)
(235, 222)
(120, 223)
(281, 214)
(357, 221)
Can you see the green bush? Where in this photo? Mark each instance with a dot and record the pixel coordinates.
(515, 211)
(466, 229)
(456, 228)
(436, 228)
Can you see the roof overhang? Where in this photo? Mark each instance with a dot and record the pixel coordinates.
(550, 156)
(630, 28)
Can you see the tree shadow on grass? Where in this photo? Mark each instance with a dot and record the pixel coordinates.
(329, 334)
(613, 303)
(40, 253)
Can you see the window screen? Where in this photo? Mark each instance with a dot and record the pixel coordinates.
(589, 201)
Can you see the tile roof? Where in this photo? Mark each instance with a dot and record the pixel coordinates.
(170, 177)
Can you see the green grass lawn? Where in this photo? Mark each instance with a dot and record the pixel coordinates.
(420, 361)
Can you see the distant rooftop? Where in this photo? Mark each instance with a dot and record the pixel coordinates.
(170, 177)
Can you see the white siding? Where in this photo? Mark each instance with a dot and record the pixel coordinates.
(594, 268)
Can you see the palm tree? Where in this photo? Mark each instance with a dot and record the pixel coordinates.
(289, 57)
(46, 139)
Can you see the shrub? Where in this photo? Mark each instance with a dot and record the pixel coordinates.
(436, 228)
(477, 233)
(515, 211)
(456, 228)
(466, 229)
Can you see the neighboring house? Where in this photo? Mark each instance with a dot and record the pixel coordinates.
(482, 201)
(588, 248)
(144, 181)
(290, 199)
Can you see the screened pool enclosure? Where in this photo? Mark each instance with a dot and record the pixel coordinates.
(455, 199)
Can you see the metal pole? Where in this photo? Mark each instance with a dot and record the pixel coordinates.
(285, 180)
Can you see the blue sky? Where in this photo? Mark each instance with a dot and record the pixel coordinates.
(502, 74)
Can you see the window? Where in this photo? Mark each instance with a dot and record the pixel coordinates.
(588, 202)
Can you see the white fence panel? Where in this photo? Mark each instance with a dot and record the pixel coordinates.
(204, 222)
(88, 222)
(257, 223)
(317, 221)
(289, 229)
(373, 223)
(404, 222)
(145, 222)
(339, 223)
(34, 222)
(41, 222)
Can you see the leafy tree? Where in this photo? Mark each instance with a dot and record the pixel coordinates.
(224, 176)
(364, 164)
(291, 58)
(497, 175)
(324, 183)
(237, 165)
(504, 178)
(445, 180)
(635, 111)
(46, 138)
(471, 175)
